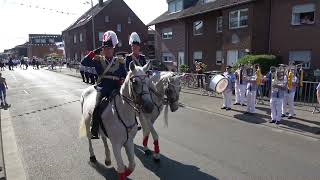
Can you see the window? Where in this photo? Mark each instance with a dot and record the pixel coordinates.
(129, 20)
(197, 56)
(219, 23)
(74, 38)
(43, 41)
(37, 40)
(301, 57)
(175, 6)
(119, 27)
(167, 57)
(106, 19)
(80, 38)
(303, 14)
(219, 57)
(198, 28)
(101, 36)
(51, 40)
(238, 19)
(167, 33)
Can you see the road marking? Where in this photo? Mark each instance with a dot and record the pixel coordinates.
(26, 92)
(12, 160)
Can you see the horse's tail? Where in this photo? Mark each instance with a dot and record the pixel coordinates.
(165, 116)
(82, 127)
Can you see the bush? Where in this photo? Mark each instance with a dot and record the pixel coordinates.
(184, 68)
(265, 61)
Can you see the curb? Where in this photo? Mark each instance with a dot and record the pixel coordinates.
(2, 164)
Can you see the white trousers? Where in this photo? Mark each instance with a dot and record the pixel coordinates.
(227, 98)
(251, 101)
(276, 104)
(237, 92)
(288, 103)
(243, 88)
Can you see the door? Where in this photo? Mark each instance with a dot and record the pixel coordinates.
(232, 57)
(181, 58)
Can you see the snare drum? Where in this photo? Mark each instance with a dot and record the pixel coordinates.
(218, 83)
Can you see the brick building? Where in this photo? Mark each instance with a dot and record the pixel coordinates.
(41, 45)
(219, 32)
(113, 15)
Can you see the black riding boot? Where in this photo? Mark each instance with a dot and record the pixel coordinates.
(96, 118)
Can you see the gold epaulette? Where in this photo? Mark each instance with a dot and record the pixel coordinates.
(120, 60)
(98, 58)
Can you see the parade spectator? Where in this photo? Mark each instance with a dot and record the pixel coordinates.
(199, 70)
(3, 87)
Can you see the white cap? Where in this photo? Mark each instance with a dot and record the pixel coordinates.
(110, 36)
(134, 37)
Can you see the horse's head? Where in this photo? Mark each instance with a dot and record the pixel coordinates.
(139, 87)
(172, 91)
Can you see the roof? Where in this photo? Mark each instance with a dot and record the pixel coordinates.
(199, 8)
(86, 17)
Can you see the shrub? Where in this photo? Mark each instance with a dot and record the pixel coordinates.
(184, 68)
(265, 61)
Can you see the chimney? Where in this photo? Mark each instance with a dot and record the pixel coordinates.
(101, 3)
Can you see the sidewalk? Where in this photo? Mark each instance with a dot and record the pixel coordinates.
(2, 168)
(304, 123)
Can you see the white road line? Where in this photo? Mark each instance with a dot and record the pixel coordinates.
(12, 158)
(26, 92)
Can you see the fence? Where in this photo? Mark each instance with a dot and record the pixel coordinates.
(305, 95)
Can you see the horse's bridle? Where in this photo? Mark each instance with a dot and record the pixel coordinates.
(171, 99)
(137, 96)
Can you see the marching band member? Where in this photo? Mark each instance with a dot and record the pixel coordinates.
(111, 72)
(278, 86)
(138, 58)
(227, 93)
(288, 100)
(251, 90)
(240, 86)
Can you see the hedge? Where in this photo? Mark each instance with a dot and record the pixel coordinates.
(265, 61)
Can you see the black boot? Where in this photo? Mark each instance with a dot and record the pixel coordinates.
(95, 124)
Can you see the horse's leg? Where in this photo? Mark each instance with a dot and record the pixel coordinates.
(107, 151)
(155, 136)
(87, 123)
(146, 132)
(121, 168)
(130, 153)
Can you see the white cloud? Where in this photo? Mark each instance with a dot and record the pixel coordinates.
(17, 21)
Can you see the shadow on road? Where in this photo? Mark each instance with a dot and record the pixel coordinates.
(108, 173)
(170, 169)
(302, 127)
(252, 118)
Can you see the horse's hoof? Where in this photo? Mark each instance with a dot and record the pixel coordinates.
(107, 163)
(93, 159)
(156, 158)
(147, 152)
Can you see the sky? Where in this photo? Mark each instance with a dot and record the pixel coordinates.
(18, 19)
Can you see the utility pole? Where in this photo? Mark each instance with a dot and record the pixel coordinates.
(93, 34)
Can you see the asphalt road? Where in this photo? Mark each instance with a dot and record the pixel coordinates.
(43, 124)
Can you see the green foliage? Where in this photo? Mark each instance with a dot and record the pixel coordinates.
(265, 61)
(54, 57)
(184, 68)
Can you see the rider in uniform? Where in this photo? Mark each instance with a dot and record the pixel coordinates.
(138, 58)
(111, 72)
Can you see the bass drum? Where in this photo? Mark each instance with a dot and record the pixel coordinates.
(218, 83)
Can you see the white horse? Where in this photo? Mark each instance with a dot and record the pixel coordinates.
(118, 118)
(166, 84)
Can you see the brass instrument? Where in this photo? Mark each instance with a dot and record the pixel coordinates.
(279, 82)
(249, 73)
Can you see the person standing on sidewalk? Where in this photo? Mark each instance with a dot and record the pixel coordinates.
(227, 93)
(82, 68)
(288, 101)
(278, 86)
(251, 90)
(240, 86)
(3, 88)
